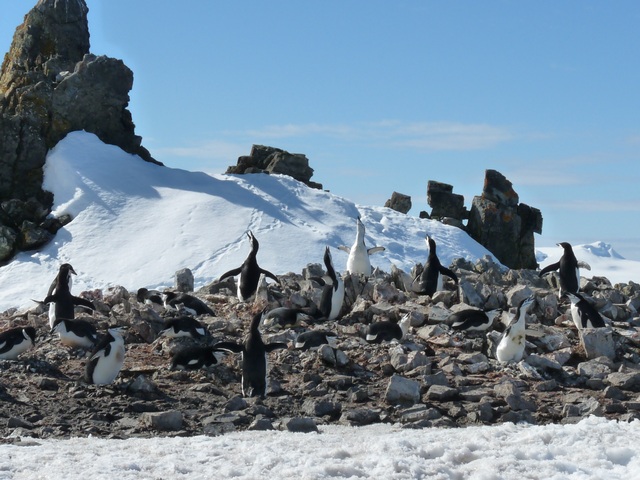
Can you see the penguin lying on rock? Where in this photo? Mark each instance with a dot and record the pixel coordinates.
(15, 341)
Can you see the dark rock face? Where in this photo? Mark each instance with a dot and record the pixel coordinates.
(264, 159)
(502, 225)
(399, 202)
(444, 202)
(49, 86)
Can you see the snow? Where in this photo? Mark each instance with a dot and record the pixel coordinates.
(594, 448)
(135, 224)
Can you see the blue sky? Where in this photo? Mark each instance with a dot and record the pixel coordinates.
(384, 96)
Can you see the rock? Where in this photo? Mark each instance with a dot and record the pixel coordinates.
(320, 408)
(401, 390)
(261, 424)
(444, 202)
(399, 202)
(441, 393)
(184, 281)
(624, 380)
(163, 421)
(598, 342)
(301, 425)
(360, 417)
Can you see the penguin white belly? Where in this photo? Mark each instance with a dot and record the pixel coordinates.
(16, 350)
(511, 348)
(52, 314)
(70, 339)
(575, 315)
(358, 261)
(439, 283)
(107, 368)
(337, 299)
(578, 277)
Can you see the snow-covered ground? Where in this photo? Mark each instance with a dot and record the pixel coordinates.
(135, 224)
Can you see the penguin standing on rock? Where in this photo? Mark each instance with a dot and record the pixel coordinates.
(254, 358)
(15, 341)
(358, 261)
(106, 359)
(387, 331)
(584, 314)
(430, 280)
(249, 272)
(472, 320)
(332, 294)
(511, 346)
(59, 295)
(568, 270)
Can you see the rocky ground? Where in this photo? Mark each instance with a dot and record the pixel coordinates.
(434, 377)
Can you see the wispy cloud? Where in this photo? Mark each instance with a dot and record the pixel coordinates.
(395, 134)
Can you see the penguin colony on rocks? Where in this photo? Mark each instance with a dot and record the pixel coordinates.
(301, 318)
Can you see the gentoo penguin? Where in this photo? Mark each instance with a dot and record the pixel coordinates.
(387, 331)
(254, 358)
(196, 357)
(430, 280)
(183, 301)
(511, 346)
(583, 313)
(249, 272)
(358, 261)
(150, 297)
(315, 338)
(472, 320)
(106, 359)
(60, 296)
(15, 341)
(76, 333)
(284, 317)
(569, 270)
(333, 294)
(183, 326)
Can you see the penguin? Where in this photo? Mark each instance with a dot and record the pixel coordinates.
(183, 326)
(358, 261)
(249, 272)
(15, 341)
(583, 313)
(284, 317)
(106, 359)
(569, 270)
(430, 280)
(315, 338)
(150, 297)
(196, 357)
(387, 331)
(332, 295)
(59, 295)
(183, 301)
(472, 320)
(254, 358)
(511, 346)
(76, 333)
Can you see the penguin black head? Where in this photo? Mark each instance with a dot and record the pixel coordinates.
(66, 269)
(566, 246)
(254, 241)
(432, 245)
(31, 332)
(257, 318)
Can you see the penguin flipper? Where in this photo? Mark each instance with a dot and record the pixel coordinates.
(82, 302)
(549, 268)
(50, 299)
(375, 250)
(344, 248)
(270, 347)
(231, 273)
(584, 265)
(228, 347)
(270, 275)
(449, 273)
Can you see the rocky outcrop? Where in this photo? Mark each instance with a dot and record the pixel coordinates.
(444, 203)
(504, 226)
(434, 377)
(264, 159)
(51, 85)
(399, 202)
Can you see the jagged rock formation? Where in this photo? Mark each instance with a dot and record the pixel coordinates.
(496, 219)
(51, 85)
(503, 225)
(399, 202)
(264, 159)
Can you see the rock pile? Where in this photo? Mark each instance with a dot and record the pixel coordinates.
(434, 377)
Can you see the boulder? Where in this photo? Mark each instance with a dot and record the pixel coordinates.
(399, 202)
(445, 203)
